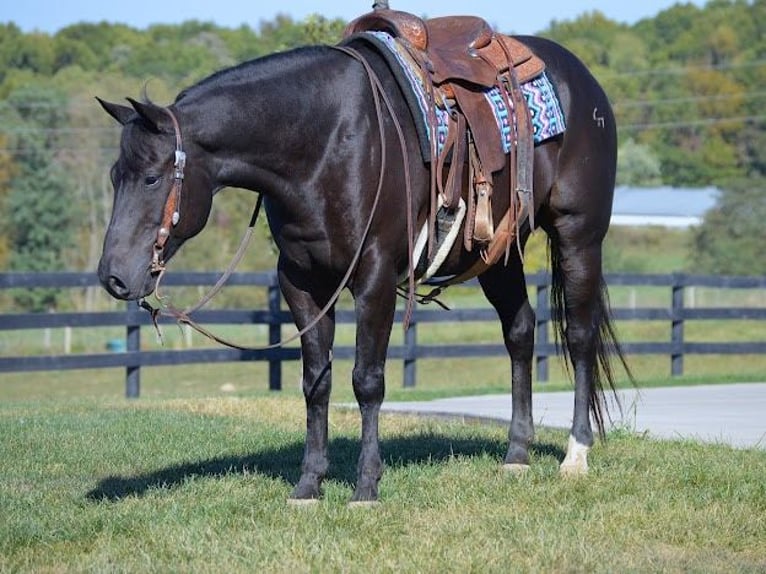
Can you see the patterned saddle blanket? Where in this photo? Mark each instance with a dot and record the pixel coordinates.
(545, 111)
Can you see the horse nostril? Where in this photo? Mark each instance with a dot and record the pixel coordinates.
(117, 287)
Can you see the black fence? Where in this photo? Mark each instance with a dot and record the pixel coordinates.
(135, 320)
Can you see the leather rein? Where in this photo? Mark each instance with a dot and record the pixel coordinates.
(171, 216)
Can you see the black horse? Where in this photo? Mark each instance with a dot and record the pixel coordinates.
(301, 128)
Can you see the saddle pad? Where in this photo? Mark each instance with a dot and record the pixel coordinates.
(545, 110)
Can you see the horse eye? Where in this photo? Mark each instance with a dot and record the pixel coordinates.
(151, 180)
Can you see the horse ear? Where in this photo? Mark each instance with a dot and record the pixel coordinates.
(153, 114)
(122, 114)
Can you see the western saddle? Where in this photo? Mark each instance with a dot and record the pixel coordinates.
(460, 58)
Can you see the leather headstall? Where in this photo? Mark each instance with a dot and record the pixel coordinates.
(171, 213)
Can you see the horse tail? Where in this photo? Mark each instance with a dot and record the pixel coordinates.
(607, 343)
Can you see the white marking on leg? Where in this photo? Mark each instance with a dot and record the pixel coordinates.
(576, 461)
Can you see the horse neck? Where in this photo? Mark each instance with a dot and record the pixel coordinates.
(268, 125)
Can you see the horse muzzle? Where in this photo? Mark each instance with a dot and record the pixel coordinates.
(124, 284)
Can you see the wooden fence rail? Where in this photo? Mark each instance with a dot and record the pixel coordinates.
(134, 320)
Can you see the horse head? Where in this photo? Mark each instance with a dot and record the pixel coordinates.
(161, 199)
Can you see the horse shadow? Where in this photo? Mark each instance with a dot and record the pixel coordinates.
(284, 463)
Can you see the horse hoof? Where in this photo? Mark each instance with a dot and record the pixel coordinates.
(515, 468)
(302, 502)
(364, 504)
(576, 461)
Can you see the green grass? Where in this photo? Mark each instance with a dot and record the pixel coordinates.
(200, 485)
(648, 249)
(436, 378)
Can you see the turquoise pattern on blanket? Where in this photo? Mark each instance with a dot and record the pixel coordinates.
(544, 108)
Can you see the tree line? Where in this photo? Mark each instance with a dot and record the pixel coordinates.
(686, 87)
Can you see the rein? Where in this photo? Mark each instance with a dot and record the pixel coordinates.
(171, 217)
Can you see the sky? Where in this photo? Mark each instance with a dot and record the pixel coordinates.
(52, 15)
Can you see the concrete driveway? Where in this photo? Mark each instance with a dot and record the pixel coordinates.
(727, 414)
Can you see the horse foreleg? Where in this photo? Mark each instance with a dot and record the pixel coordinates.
(375, 304)
(316, 346)
(505, 288)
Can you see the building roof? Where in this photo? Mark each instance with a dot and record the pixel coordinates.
(665, 206)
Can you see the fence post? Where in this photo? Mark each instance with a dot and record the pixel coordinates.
(275, 334)
(133, 345)
(542, 318)
(677, 329)
(410, 353)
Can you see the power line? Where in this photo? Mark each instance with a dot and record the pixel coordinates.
(23, 150)
(692, 123)
(689, 99)
(52, 131)
(681, 70)
(625, 127)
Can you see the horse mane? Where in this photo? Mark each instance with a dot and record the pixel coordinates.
(249, 71)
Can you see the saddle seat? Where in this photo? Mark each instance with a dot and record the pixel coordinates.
(456, 48)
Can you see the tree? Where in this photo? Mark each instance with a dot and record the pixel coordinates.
(7, 171)
(320, 30)
(732, 235)
(638, 165)
(39, 212)
(34, 52)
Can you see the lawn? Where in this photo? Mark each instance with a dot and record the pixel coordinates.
(200, 485)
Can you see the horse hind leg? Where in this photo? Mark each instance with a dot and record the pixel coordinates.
(579, 294)
(505, 288)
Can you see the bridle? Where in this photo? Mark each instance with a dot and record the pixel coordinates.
(171, 213)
